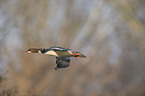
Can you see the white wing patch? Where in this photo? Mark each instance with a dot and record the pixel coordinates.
(69, 51)
(55, 48)
(51, 52)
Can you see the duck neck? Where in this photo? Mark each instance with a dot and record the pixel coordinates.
(48, 52)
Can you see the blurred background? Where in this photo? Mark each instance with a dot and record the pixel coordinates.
(111, 33)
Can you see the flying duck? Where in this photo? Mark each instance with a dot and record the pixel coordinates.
(62, 55)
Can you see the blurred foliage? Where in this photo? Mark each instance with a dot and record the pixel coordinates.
(110, 32)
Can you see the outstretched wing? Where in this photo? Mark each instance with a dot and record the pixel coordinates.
(43, 50)
(58, 48)
(62, 62)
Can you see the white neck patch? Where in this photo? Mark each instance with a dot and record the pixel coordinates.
(39, 51)
(29, 52)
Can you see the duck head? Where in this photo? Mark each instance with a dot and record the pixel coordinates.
(32, 50)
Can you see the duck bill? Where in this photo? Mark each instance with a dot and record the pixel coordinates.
(25, 51)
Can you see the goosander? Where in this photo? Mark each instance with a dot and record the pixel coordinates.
(62, 55)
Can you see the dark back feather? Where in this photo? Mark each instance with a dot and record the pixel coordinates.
(43, 51)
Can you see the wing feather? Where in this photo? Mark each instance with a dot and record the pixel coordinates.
(62, 62)
(58, 48)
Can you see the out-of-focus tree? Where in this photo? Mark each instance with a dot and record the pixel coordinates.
(110, 32)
